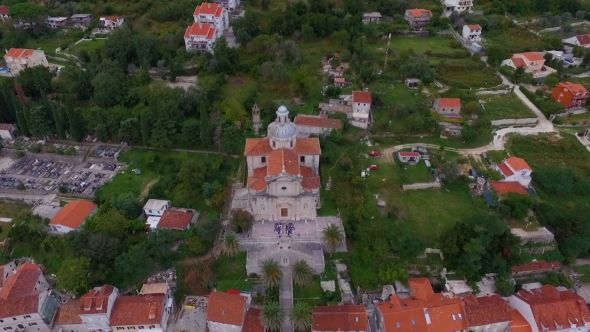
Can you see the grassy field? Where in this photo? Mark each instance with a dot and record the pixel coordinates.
(88, 46)
(231, 273)
(515, 40)
(4, 229)
(416, 44)
(11, 210)
(312, 293)
(467, 74)
(585, 270)
(503, 107)
(417, 173)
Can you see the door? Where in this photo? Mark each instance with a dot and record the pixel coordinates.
(284, 212)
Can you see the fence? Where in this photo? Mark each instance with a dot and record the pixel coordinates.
(505, 122)
(424, 185)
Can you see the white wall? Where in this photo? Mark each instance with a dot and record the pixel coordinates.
(5, 134)
(219, 327)
(513, 121)
(361, 108)
(525, 311)
(497, 327)
(134, 328)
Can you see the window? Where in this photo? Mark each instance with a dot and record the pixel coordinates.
(305, 206)
(152, 326)
(454, 317)
(120, 328)
(13, 318)
(460, 317)
(32, 324)
(262, 159)
(262, 207)
(274, 145)
(141, 327)
(283, 188)
(8, 328)
(398, 325)
(291, 143)
(302, 159)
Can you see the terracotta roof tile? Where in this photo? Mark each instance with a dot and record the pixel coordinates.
(4, 10)
(539, 266)
(96, 300)
(308, 146)
(505, 170)
(518, 164)
(257, 181)
(474, 26)
(114, 19)
(226, 308)
(207, 8)
(138, 310)
(283, 160)
(310, 181)
(419, 12)
(421, 288)
(68, 313)
(361, 97)
(19, 306)
(258, 146)
(200, 29)
(321, 121)
(504, 188)
(409, 154)
(583, 39)
(575, 88)
(6, 126)
(176, 219)
(252, 322)
(518, 62)
(340, 318)
(73, 214)
(403, 315)
(533, 56)
(449, 102)
(19, 53)
(518, 323)
(22, 283)
(485, 310)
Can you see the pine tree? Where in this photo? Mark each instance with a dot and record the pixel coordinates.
(74, 120)
(145, 129)
(20, 118)
(205, 132)
(58, 123)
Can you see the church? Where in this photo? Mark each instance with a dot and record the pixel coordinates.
(283, 179)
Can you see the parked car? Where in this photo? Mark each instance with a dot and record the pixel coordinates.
(375, 154)
(373, 167)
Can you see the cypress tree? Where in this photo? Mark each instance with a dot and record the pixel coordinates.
(205, 132)
(58, 123)
(21, 121)
(145, 129)
(75, 125)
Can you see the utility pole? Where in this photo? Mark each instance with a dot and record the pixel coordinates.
(387, 52)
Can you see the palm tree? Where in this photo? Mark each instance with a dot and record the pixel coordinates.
(302, 273)
(301, 316)
(271, 273)
(333, 237)
(272, 316)
(231, 244)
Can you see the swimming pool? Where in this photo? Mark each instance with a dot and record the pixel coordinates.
(4, 70)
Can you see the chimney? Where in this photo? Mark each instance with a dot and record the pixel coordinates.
(200, 25)
(208, 5)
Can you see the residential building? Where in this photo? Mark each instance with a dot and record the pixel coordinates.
(142, 312)
(361, 109)
(515, 169)
(412, 83)
(486, 313)
(579, 40)
(283, 178)
(345, 318)
(56, 22)
(472, 32)
(450, 6)
(111, 22)
(536, 268)
(549, 309)
(418, 18)
(5, 271)
(18, 59)
(252, 322)
(230, 5)
(532, 62)
(96, 307)
(226, 312)
(518, 323)
(25, 302)
(7, 131)
(68, 320)
(374, 17)
(213, 14)
(81, 20)
(200, 37)
(315, 125)
(448, 107)
(570, 95)
(156, 207)
(340, 82)
(406, 157)
(4, 13)
(176, 219)
(424, 311)
(72, 216)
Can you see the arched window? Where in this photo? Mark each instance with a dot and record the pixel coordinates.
(305, 206)
(274, 145)
(291, 143)
(262, 207)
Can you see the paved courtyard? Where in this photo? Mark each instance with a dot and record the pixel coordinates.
(302, 228)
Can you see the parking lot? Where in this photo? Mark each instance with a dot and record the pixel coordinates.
(106, 151)
(90, 177)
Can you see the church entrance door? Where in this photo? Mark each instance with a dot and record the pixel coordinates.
(284, 212)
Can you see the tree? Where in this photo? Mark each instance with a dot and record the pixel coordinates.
(301, 316)
(417, 66)
(72, 275)
(26, 11)
(450, 170)
(333, 237)
(303, 80)
(57, 119)
(469, 134)
(390, 273)
(241, 221)
(145, 129)
(21, 121)
(504, 287)
(272, 316)
(205, 133)
(111, 222)
(128, 205)
(307, 32)
(195, 245)
(34, 80)
(551, 80)
(130, 131)
(39, 122)
(136, 263)
(190, 132)
(302, 273)
(109, 88)
(231, 244)
(496, 54)
(74, 120)
(233, 110)
(232, 139)
(271, 273)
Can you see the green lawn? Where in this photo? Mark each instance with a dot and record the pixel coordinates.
(467, 73)
(416, 173)
(230, 272)
(503, 107)
(312, 293)
(90, 46)
(547, 149)
(11, 210)
(515, 40)
(48, 45)
(585, 270)
(418, 45)
(4, 229)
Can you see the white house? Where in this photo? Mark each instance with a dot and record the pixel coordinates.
(515, 169)
(200, 37)
(230, 5)
(472, 32)
(226, 312)
(212, 13)
(315, 125)
(579, 40)
(97, 307)
(18, 59)
(7, 131)
(56, 22)
(156, 207)
(411, 158)
(72, 216)
(549, 309)
(111, 22)
(4, 13)
(361, 109)
(25, 302)
(450, 6)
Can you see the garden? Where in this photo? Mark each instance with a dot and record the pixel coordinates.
(503, 106)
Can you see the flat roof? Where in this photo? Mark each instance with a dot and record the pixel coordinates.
(193, 314)
(153, 222)
(159, 288)
(155, 204)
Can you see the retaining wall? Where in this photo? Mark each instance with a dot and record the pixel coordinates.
(504, 122)
(424, 185)
(43, 156)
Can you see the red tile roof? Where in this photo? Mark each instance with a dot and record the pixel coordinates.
(518, 62)
(339, 80)
(176, 219)
(409, 154)
(261, 146)
(583, 39)
(533, 56)
(418, 12)
(310, 181)
(257, 181)
(95, 301)
(226, 308)
(19, 53)
(73, 214)
(207, 8)
(321, 121)
(421, 288)
(485, 310)
(449, 102)
(474, 26)
(68, 313)
(200, 29)
(257, 146)
(518, 323)
(575, 88)
(114, 19)
(504, 188)
(18, 295)
(307, 146)
(138, 310)
(361, 97)
(552, 308)
(283, 160)
(540, 266)
(505, 170)
(252, 322)
(4, 10)
(340, 318)
(517, 164)
(6, 126)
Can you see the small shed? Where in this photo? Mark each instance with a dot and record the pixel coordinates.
(412, 83)
(475, 47)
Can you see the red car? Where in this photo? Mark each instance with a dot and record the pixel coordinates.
(373, 167)
(375, 154)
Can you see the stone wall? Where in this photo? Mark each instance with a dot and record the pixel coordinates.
(423, 185)
(505, 122)
(11, 153)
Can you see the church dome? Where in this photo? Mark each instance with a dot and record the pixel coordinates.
(282, 128)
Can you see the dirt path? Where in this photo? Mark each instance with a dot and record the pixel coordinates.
(212, 254)
(146, 189)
